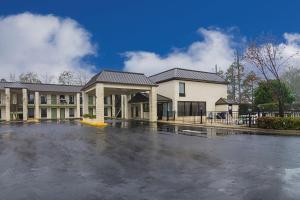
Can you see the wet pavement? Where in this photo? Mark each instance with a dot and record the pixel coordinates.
(67, 160)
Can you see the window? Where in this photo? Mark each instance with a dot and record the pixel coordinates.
(188, 108)
(53, 99)
(30, 112)
(80, 98)
(30, 99)
(71, 112)
(146, 107)
(91, 111)
(81, 112)
(43, 112)
(43, 99)
(181, 89)
(62, 99)
(90, 100)
(105, 111)
(71, 100)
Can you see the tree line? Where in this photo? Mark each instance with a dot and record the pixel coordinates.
(261, 74)
(65, 78)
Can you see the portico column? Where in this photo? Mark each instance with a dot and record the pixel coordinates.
(123, 106)
(7, 104)
(78, 105)
(99, 102)
(85, 108)
(113, 106)
(25, 104)
(142, 111)
(36, 105)
(153, 104)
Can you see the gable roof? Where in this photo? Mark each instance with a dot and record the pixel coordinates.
(223, 101)
(187, 74)
(130, 78)
(40, 87)
(144, 97)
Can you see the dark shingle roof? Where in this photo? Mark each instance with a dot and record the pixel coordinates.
(186, 74)
(107, 76)
(223, 101)
(144, 97)
(40, 87)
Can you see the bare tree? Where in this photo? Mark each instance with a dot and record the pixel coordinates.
(12, 77)
(267, 57)
(67, 78)
(46, 78)
(29, 77)
(82, 77)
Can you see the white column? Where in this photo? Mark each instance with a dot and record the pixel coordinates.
(125, 107)
(25, 104)
(48, 113)
(153, 104)
(58, 113)
(7, 104)
(36, 105)
(141, 111)
(99, 102)
(122, 106)
(78, 105)
(113, 106)
(85, 107)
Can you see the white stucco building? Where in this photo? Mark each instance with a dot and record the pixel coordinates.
(170, 95)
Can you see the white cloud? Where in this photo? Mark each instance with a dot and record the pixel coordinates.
(43, 44)
(215, 49)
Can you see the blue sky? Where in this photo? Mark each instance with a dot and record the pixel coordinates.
(160, 26)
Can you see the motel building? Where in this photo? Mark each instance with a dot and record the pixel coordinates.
(176, 94)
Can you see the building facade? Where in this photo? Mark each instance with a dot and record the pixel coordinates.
(169, 95)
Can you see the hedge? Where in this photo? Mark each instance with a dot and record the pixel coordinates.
(279, 123)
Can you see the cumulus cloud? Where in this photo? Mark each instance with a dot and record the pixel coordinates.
(43, 44)
(216, 48)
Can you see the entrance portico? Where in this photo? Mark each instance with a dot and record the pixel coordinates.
(126, 84)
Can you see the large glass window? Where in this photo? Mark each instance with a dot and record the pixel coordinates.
(71, 112)
(189, 108)
(44, 112)
(43, 99)
(71, 100)
(181, 89)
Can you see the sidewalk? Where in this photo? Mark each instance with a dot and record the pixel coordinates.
(244, 129)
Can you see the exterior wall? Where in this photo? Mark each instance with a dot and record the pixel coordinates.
(194, 91)
(221, 108)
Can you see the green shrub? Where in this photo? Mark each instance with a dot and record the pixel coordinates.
(90, 116)
(279, 122)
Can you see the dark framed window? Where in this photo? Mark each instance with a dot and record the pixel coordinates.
(43, 99)
(30, 98)
(146, 107)
(71, 112)
(44, 112)
(62, 99)
(80, 98)
(191, 108)
(81, 112)
(30, 112)
(181, 89)
(71, 100)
